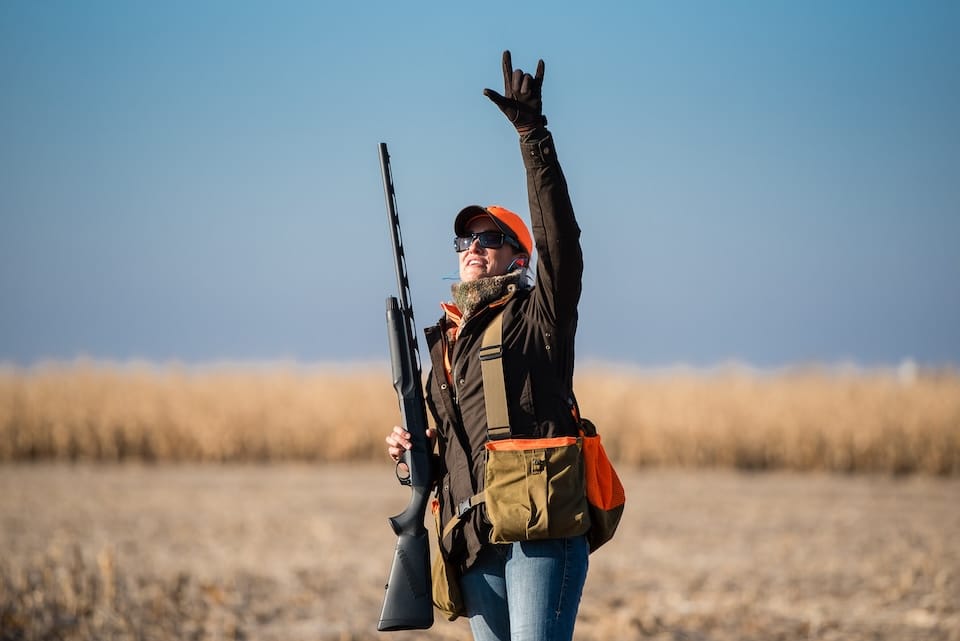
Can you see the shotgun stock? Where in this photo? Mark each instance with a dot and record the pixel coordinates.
(408, 602)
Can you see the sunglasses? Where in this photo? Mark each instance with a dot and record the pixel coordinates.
(487, 240)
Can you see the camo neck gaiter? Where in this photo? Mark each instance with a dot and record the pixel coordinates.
(472, 296)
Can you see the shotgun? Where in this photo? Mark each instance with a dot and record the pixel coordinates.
(408, 602)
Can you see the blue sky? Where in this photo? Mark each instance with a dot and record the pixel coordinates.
(772, 183)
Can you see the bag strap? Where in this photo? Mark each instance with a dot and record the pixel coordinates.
(494, 387)
(462, 508)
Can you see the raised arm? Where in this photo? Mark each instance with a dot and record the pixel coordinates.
(555, 230)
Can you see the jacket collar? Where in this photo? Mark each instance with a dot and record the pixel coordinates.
(454, 319)
(471, 297)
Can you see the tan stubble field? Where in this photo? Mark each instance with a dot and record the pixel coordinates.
(298, 551)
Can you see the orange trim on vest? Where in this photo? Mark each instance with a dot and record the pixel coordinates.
(604, 488)
(447, 365)
(450, 333)
(452, 312)
(521, 444)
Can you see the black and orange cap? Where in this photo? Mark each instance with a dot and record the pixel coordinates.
(509, 223)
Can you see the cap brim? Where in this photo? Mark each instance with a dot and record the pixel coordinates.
(469, 213)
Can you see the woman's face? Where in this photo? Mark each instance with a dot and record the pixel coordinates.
(483, 262)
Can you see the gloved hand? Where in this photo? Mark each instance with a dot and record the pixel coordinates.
(523, 103)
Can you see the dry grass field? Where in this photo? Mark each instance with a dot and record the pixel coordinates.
(291, 552)
(805, 504)
(814, 419)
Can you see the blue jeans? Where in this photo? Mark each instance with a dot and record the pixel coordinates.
(526, 591)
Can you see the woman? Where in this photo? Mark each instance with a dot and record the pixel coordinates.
(529, 589)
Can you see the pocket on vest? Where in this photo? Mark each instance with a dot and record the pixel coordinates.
(535, 489)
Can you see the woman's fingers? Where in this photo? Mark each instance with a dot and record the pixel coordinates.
(398, 441)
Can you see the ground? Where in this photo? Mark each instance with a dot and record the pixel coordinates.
(290, 552)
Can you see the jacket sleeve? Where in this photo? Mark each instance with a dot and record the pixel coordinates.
(555, 230)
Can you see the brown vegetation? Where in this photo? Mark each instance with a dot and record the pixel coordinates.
(816, 419)
(291, 552)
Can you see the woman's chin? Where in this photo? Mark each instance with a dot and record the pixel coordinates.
(472, 273)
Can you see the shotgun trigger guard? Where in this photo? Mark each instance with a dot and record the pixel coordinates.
(403, 473)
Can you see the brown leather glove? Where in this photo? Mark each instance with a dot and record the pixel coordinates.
(522, 103)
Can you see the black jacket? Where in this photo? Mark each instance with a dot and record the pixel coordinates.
(538, 341)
